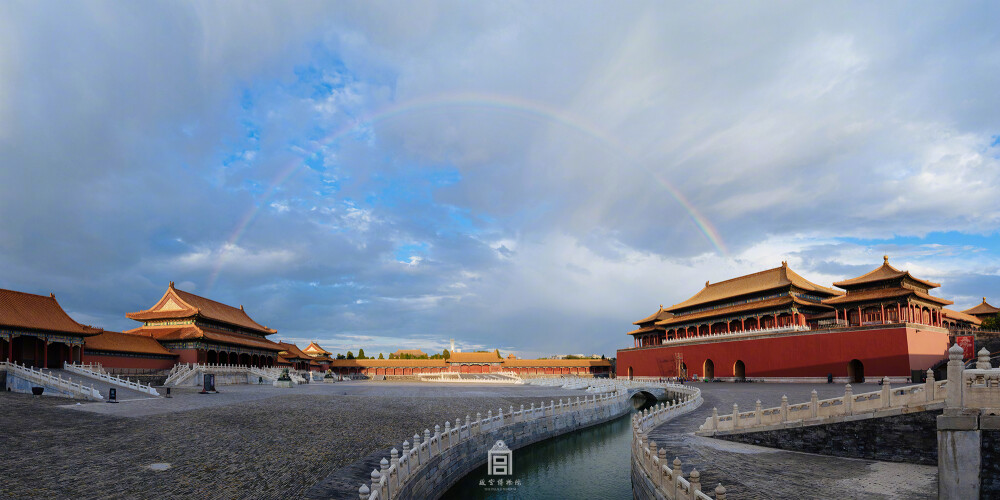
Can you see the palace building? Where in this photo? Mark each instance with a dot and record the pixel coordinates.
(472, 362)
(776, 325)
(982, 311)
(35, 331)
(201, 330)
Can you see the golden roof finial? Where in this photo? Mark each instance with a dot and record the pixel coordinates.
(885, 259)
(706, 282)
(784, 263)
(171, 284)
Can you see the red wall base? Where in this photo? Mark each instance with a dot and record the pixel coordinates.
(883, 351)
(124, 362)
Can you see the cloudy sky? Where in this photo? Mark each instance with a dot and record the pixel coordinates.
(525, 176)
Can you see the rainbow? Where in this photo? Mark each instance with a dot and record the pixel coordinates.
(502, 103)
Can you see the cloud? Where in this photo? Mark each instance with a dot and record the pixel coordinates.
(559, 173)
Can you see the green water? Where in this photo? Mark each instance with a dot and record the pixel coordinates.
(589, 463)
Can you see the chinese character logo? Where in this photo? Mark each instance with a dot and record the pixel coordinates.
(501, 460)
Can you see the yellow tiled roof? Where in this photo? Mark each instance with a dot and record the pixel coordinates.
(770, 279)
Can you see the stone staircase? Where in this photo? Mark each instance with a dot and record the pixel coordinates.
(100, 385)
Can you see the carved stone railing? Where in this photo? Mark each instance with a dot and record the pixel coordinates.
(397, 475)
(929, 395)
(650, 462)
(75, 389)
(89, 371)
(475, 378)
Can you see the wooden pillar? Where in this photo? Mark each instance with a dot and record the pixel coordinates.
(45, 354)
(10, 349)
(899, 312)
(860, 320)
(883, 313)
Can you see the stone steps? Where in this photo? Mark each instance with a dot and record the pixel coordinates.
(123, 393)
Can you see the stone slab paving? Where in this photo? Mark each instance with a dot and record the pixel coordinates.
(247, 442)
(753, 472)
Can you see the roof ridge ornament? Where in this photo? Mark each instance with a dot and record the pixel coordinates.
(885, 259)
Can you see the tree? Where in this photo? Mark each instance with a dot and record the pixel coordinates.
(341, 356)
(498, 352)
(350, 355)
(361, 354)
(991, 323)
(602, 357)
(380, 356)
(446, 354)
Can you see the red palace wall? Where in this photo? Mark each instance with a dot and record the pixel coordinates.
(884, 352)
(128, 362)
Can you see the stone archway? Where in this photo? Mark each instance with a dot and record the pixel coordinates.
(740, 370)
(630, 373)
(856, 372)
(709, 369)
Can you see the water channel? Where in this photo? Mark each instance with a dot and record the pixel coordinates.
(589, 463)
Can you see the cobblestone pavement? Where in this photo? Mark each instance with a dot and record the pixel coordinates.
(753, 472)
(247, 442)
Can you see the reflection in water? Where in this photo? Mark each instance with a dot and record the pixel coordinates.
(589, 463)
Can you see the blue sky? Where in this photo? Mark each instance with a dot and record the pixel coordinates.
(394, 175)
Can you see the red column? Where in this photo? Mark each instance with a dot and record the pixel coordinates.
(883, 313)
(10, 349)
(727, 327)
(859, 316)
(45, 354)
(899, 312)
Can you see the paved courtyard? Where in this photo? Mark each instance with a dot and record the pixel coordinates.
(246, 442)
(322, 440)
(753, 472)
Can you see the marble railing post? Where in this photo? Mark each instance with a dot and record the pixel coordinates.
(715, 418)
(363, 492)
(675, 478)
(736, 416)
(375, 480)
(447, 434)
(384, 481)
(814, 404)
(720, 492)
(759, 413)
(784, 408)
(886, 396)
(983, 362)
(437, 438)
(954, 396)
(695, 483)
(848, 399)
(929, 385)
(417, 459)
(959, 437)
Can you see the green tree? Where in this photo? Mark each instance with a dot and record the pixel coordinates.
(350, 355)
(361, 354)
(991, 323)
(341, 356)
(498, 352)
(380, 356)
(446, 354)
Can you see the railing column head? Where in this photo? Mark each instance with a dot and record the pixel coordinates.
(406, 448)
(364, 492)
(395, 455)
(983, 363)
(930, 375)
(376, 475)
(758, 406)
(662, 454)
(677, 466)
(695, 481)
(720, 492)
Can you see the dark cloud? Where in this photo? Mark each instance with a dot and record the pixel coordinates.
(535, 176)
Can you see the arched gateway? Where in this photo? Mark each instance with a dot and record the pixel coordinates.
(709, 369)
(856, 371)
